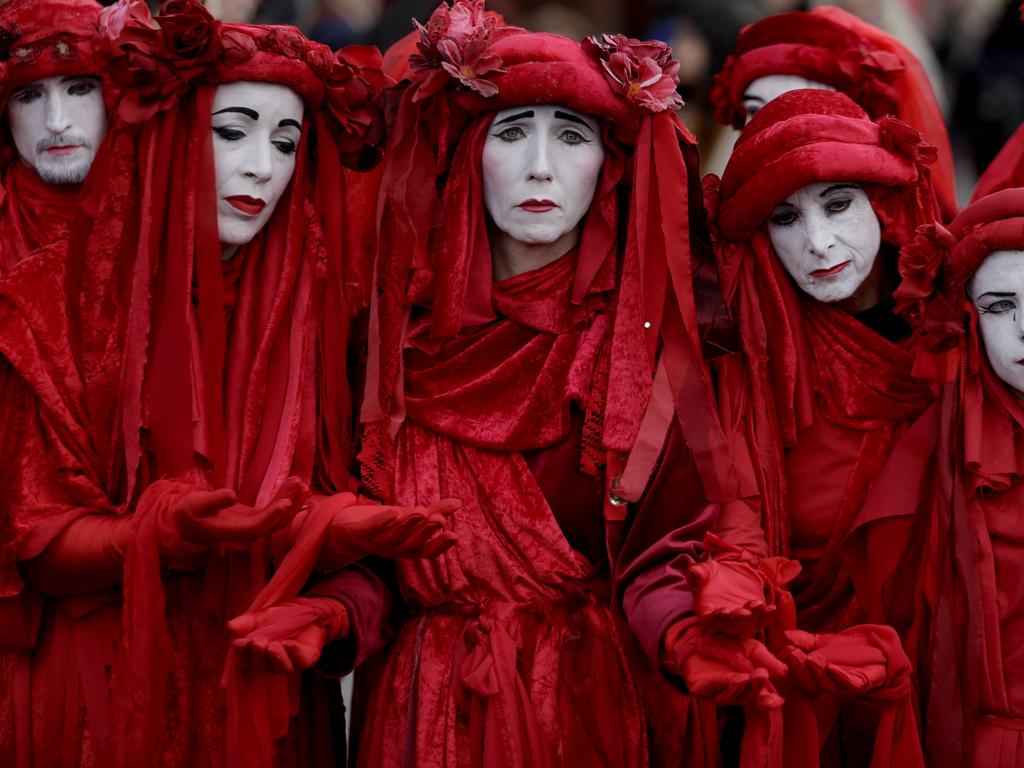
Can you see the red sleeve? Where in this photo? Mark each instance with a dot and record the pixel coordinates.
(368, 599)
(664, 536)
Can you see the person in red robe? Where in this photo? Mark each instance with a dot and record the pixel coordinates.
(55, 113)
(173, 385)
(829, 48)
(534, 352)
(937, 547)
(808, 219)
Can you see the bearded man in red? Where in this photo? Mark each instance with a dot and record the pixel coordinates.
(937, 547)
(55, 117)
(173, 385)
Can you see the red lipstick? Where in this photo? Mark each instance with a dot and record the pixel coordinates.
(250, 206)
(62, 149)
(821, 274)
(538, 206)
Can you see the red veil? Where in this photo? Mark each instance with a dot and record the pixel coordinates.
(833, 47)
(925, 550)
(149, 358)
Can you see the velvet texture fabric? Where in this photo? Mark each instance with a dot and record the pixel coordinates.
(34, 214)
(149, 357)
(944, 517)
(824, 394)
(502, 394)
(835, 48)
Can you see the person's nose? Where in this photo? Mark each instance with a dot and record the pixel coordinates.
(820, 235)
(258, 163)
(539, 168)
(57, 114)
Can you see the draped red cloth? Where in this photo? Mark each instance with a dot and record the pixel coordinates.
(539, 674)
(34, 214)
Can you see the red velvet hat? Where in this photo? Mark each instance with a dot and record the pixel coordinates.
(830, 46)
(810, 136)
(46, 38)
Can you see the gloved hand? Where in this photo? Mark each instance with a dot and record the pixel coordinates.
(198, 521)
(361, 529)
(851, 663)
(737, 593)
(724, 669)
(289, 637)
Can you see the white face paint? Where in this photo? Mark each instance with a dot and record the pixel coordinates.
(997, 290)
(540, 170)
(57, 124)
(827, 237)
(256, 133)
(762, 90)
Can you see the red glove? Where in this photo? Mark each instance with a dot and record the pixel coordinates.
(850, 663)
(736, 593)
(724, 669)
(289, 637)
(358, 530)
(200, 520)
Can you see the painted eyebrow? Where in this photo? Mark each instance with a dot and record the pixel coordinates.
(252, 114)
(567, 116)
(72, 78)
(834, 187)
(997, 294)
(751, 97)
(510, 118)
(289, 122)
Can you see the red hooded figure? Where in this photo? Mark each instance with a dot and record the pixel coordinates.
(832, 48)
(525, 390)
(936, 549)
(55, 111)
(808, 219)
(172, 385)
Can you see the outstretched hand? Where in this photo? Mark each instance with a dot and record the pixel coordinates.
(289, 637)
(201, 520)
(847, 664)
(358, 530)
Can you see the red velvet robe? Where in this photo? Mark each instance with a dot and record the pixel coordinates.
(509, 653)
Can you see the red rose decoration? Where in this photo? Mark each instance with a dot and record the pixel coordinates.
(921, 296)
(645, 73)
(188, 31)
(285, 41)
(454, 45)
(353, 97)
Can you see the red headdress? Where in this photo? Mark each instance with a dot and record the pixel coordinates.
(830, 46)
(224, 372)
(800, 138)
(39, 39)
(434, 249)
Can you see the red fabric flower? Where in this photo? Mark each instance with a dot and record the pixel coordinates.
(454, 45)
(645, 72)
(188, 31)
(895, 134)
(924, 295)
(354, 88)
(285, 41)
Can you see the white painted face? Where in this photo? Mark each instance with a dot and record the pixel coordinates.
(57, 124)
(256, 133)
(540, 170)
(762, 90)
(997, 290)
(827, 237)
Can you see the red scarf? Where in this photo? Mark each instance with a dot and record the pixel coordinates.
(33, 213)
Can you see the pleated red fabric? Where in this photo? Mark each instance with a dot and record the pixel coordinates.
(142, 366)
(936, 548)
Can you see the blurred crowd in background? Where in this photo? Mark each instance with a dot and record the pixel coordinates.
(973, 49)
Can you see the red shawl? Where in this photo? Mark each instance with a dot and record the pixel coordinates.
(34, 214)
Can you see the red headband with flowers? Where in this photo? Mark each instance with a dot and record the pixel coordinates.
(157, 61)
